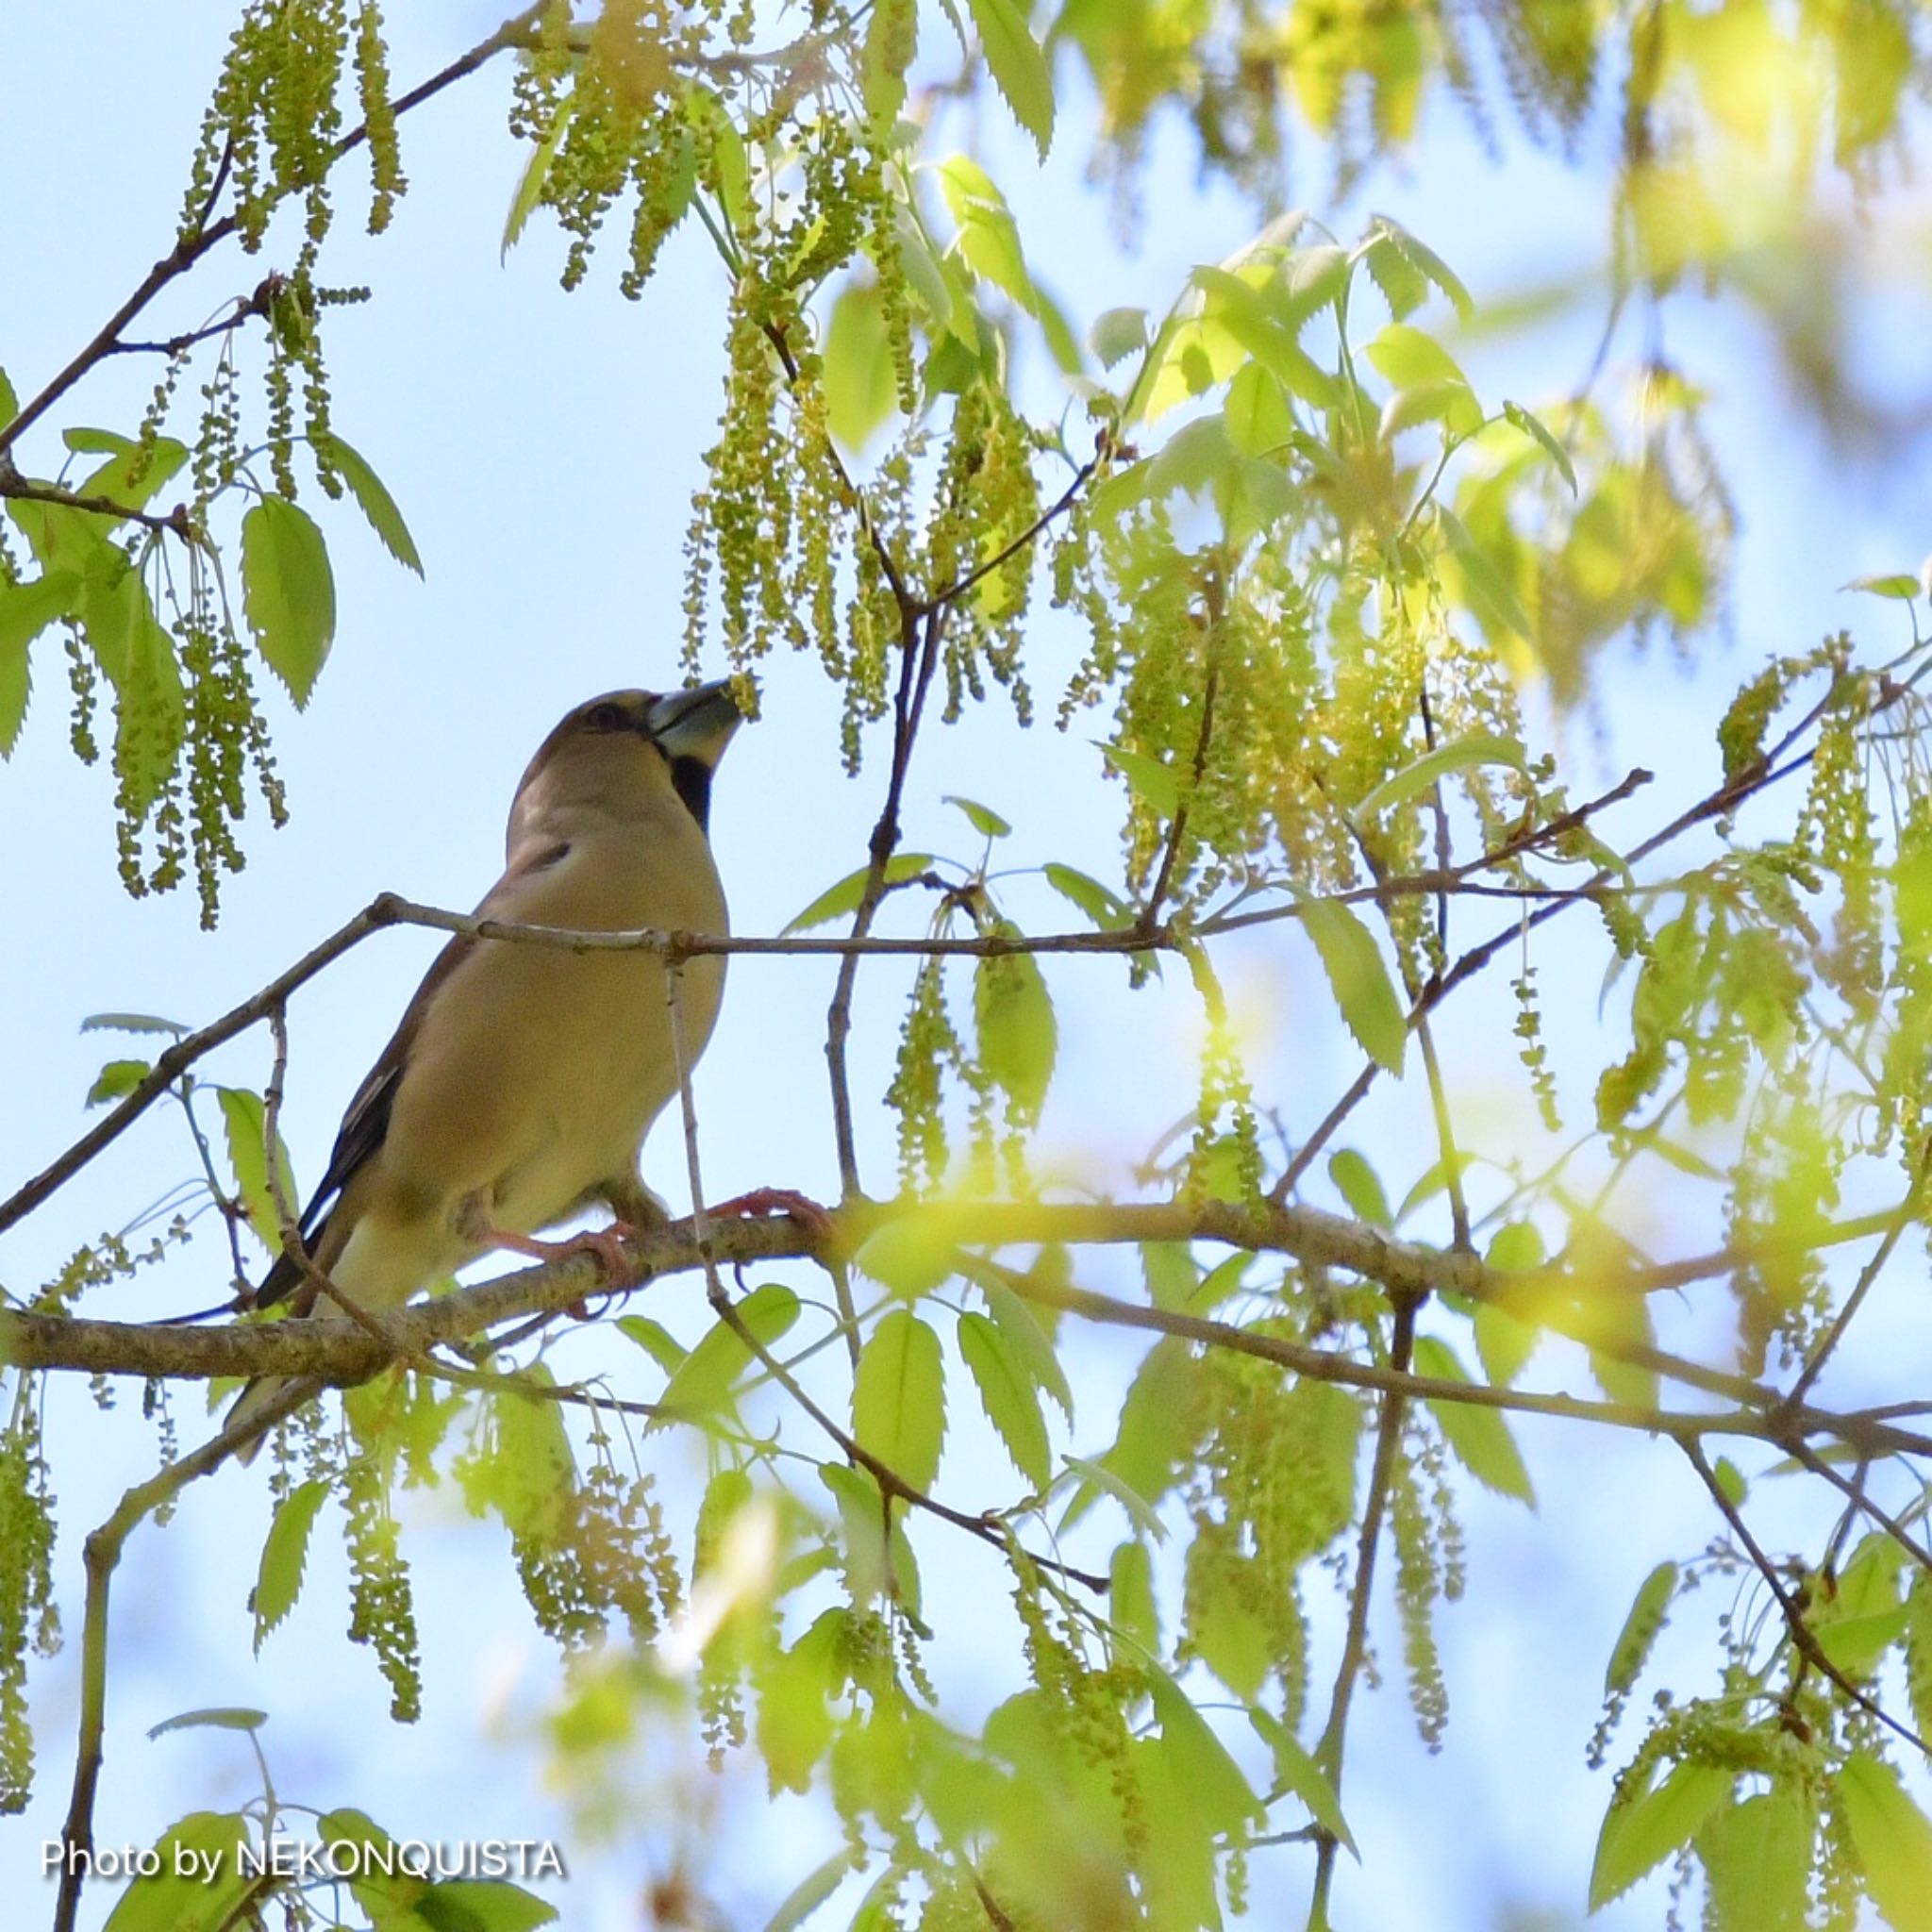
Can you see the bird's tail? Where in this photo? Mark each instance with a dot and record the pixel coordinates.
(255, 1397)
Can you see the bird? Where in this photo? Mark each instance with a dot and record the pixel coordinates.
(519, 1088)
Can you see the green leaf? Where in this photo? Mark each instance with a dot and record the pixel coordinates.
(1756, 1861)
(1464, 753)
(1419, 258)
(284, 1557)
(1142, 1513)
(836, 901)
(1018, 66)
(178, 1894)
(1008, 1396)
(1360, 980)
(536, 174)
(528, 1469)
(1131, 1608)
(875, 1564)
(1902, 587)
(702, 1382)
(1297, 1772)
(1479, 1436)
(1640, 1627)
(899, 1398)
(1103, 905)
(1490, 593)
(131, 1023)
(987, 241)
(1502, 1344)
(10, 403)
(654, 1339)
(810, 1892)
(1730, 1481)
(1891, 1836)
(246, 1120)
(1154, 784)
(1406, 356)
(1357, 1183)
(220, 1717)
(116, 1079)
(1023, 1330)
(1538, 432)
(1515, 1248)
(373, 500)
(911, 1254)
(25, 611)
(982, 818)
(1638, 1834)
(1118, 333)
(861, 384)
(288, 593)
(1019, 1037)
(481, 1904)
(1203, 1766)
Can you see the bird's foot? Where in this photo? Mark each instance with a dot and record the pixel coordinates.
(606, 1243)
(816, 1221)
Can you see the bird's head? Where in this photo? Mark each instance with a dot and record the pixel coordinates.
(632, 754)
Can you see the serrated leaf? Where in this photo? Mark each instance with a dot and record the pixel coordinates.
(1540, 433)
(116, 1079)
(874, 1563)
(1360, 980)
(373, 500)
(1479, 1436)
(1891, 1836)
(1018, 66)
(25, 611)
(899, 1398)
(1154, 784)
(1899, 586)
(1259, 422)
(1019, 1036)
(836, 901)
(1024, 1331)
(1203, 1766)
(1637, 1836)
(244, 1117)
(654, 1339)
(536, 174)
(288, 593)
(911, 1254)
(1640, 1627)
(219, 1717)
(1103, 905)
(1757, 1860)
(1502, 1344)
(526, 1469)
(1007, 1395)
(1423, 260)
(982, 818)
(1464, 753)
(1118, 333)
(703, 1380)
(175, 1894)
(284, 1557)
(132, 1023)
(988, 240)
(1406, 356)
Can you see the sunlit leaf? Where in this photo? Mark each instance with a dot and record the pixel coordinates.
(1891, 1836)
(1639, 1833)
(288, 593)
(898, 1398)
(284, 1557)
(703, 1380)
(836, 901)
(1008, 1396)
(375, 503)
(1359, 978)
(1462, 755)
(1478, 1435)
(1018, 66)
(1640, 1627)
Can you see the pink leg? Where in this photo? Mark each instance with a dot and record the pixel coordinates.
(815, 1220)
(606, 1243)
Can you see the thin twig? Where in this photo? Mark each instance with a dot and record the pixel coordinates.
(1329, 1751)
(1802, 1634)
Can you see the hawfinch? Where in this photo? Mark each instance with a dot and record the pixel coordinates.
(523, 1077)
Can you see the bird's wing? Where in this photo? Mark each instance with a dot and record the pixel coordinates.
(365, 1124)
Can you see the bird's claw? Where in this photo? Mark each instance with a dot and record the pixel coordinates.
(816, 1221)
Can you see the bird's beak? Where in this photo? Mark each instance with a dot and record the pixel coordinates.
(695, 723)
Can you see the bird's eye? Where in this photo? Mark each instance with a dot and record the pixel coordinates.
(605, 718)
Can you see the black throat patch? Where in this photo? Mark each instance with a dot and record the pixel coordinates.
(691, 780)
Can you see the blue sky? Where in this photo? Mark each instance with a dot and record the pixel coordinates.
(543, 449)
